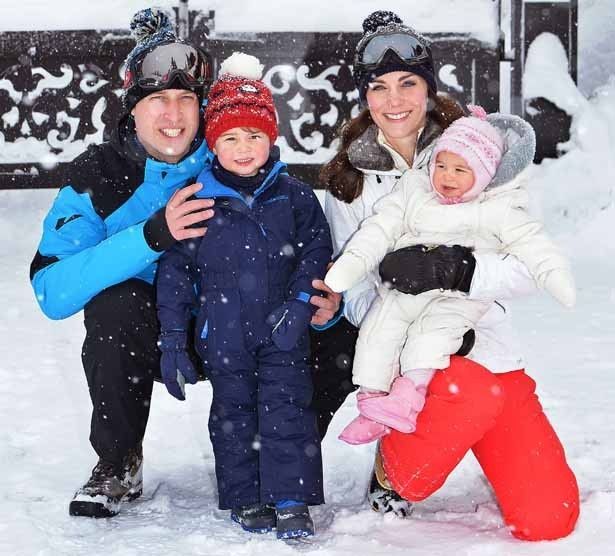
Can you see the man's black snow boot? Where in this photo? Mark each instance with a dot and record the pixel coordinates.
(108, 486)
(294, 521)
(255, 518)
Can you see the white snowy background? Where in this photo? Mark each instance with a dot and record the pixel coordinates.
(45, 407)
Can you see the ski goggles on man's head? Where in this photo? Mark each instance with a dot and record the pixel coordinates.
(372, 49)
(158, 67)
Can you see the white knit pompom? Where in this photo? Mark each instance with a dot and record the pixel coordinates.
(242, 65)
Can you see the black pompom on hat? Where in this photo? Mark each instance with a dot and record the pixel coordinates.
(380, 19)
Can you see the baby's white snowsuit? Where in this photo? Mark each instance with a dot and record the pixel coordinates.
(403, 332)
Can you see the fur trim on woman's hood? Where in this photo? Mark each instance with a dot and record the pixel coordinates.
(365, 153)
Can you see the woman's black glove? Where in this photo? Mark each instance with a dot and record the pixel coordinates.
(469, 339)
(418, 269)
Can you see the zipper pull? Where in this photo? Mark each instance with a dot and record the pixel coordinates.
(277, 325)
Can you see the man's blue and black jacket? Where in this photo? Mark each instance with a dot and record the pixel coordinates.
(107, 224)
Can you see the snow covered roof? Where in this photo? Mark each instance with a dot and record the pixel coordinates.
(447, 16)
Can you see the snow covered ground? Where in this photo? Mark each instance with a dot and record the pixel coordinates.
(45, 455)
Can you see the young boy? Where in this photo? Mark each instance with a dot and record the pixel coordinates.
(466, 199)
(249, 280)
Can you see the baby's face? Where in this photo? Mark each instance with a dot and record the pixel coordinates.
(452, 176)
(242, 151)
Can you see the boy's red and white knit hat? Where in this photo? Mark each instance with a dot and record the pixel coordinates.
(239, 99)
(475, 140)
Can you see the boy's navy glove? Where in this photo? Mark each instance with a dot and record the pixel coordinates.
(175, 365)
(289, 322)
(417, 269)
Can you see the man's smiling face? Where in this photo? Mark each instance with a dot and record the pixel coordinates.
(166, 123)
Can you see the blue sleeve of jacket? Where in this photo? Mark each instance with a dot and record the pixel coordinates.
(313, 242)
(176, 286)
(79, 259)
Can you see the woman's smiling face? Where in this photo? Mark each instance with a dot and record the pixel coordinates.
(398, 103)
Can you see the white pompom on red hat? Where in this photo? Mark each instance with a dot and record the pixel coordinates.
(240, 99)
(240, 64)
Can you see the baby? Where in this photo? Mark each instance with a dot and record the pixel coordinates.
(465, 200)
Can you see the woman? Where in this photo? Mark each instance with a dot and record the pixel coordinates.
(498, 416)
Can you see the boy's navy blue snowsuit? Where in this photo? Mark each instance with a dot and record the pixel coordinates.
(267, 241)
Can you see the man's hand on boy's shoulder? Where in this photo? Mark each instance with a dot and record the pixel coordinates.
(182, 212)
(328, 305)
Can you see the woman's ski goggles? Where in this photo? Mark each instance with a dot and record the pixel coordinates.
(372, 49)
(158, 67)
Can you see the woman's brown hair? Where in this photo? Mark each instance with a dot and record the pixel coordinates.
(342, 179)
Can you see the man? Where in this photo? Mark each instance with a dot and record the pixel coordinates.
(123, 204)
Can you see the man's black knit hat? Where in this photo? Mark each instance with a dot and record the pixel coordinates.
(152, 28)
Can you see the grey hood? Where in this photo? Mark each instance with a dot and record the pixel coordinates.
(519, 147)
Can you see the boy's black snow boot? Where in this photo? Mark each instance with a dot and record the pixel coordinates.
(294, 521)
(108, 486)
(255, 518)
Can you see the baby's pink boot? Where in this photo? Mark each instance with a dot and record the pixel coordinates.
(399, 409)
(362, 430)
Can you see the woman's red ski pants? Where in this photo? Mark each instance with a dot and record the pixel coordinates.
(499, 418)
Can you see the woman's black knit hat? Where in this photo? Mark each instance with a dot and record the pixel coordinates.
(381, 24)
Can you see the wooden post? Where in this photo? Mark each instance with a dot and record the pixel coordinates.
(183, 28)
(552, 124)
